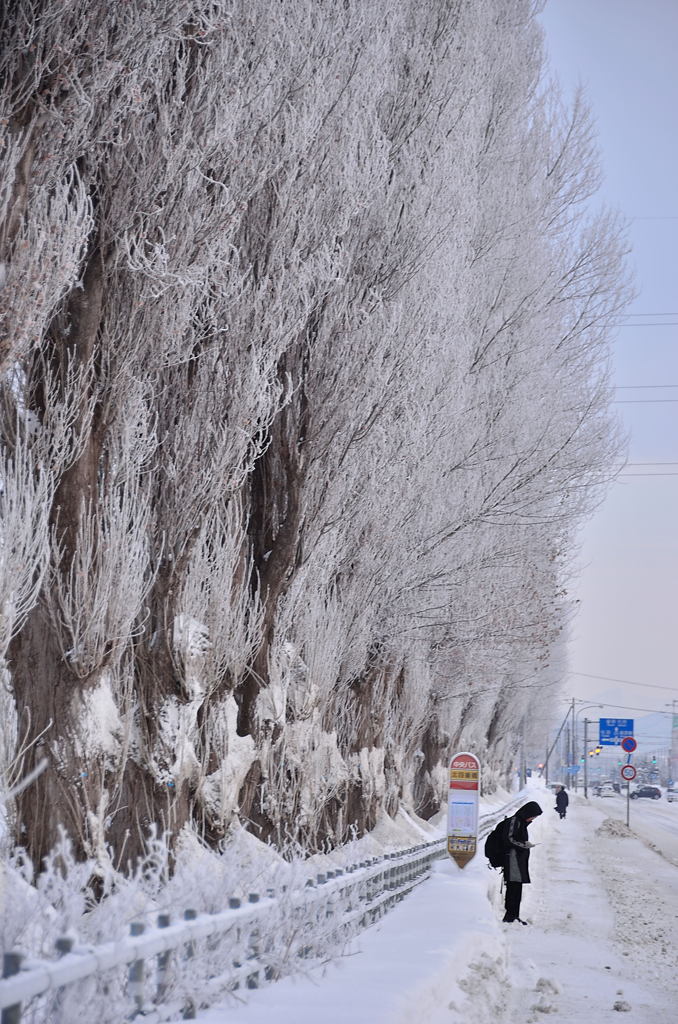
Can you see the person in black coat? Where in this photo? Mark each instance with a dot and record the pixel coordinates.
(562, 800)
(516, 873)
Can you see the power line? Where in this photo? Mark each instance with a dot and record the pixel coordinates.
(657, 323)
(654, 735)
(641, 387)
(629, 682)
(606, 704)
(643, 401)
(631, 707)
(623, 476)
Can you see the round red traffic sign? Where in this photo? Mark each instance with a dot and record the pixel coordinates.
(628, 744)
(628, 772)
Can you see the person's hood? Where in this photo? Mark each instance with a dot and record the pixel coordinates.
(531, 810)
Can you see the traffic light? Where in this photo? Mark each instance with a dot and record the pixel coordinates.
(654, 759)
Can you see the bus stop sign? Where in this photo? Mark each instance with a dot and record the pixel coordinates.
(462, 807)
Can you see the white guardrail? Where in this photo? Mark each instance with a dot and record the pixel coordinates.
(169, 970)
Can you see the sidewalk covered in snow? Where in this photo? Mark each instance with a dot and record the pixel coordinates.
(603, 913)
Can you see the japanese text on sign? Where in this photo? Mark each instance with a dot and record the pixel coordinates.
(612, 730)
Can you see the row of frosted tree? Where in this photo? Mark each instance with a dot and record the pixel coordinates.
(304, 325)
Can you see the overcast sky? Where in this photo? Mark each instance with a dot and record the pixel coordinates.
(624, 53)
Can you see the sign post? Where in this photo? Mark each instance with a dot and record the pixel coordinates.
(628, 772)
(462, 808)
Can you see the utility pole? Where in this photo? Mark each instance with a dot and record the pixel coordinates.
(586, 741)
(574, 740)
(673, 748)
(549, 750)
(523, 770)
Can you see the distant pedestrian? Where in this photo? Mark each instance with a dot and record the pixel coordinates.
(518, 848)
(562, 800)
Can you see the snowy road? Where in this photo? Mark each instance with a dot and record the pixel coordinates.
(655, 820)
(603, 937)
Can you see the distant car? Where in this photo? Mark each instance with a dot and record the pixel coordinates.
(651, 792)
(671, 795)
(604, 789)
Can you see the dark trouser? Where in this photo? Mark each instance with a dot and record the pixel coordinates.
(514, 892)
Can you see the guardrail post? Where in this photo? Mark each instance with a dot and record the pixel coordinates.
(190, 915)
(162, 972)
(234, 903)
(63, 945)
(189, 1009)
(253, 950)
(135, 976)
(253, 947)
(11, 965)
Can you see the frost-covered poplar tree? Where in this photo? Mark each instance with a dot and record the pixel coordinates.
(304, 391)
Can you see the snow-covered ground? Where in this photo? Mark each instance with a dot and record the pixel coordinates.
(602, 939)
(656, 821)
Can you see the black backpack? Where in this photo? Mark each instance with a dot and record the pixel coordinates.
(496, 844)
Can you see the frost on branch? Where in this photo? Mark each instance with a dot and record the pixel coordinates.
(304, 395)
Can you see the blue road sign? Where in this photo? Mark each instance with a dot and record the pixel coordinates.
(572, 769)
(612, 730)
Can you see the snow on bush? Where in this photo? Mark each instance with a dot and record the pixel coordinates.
(67, 900)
